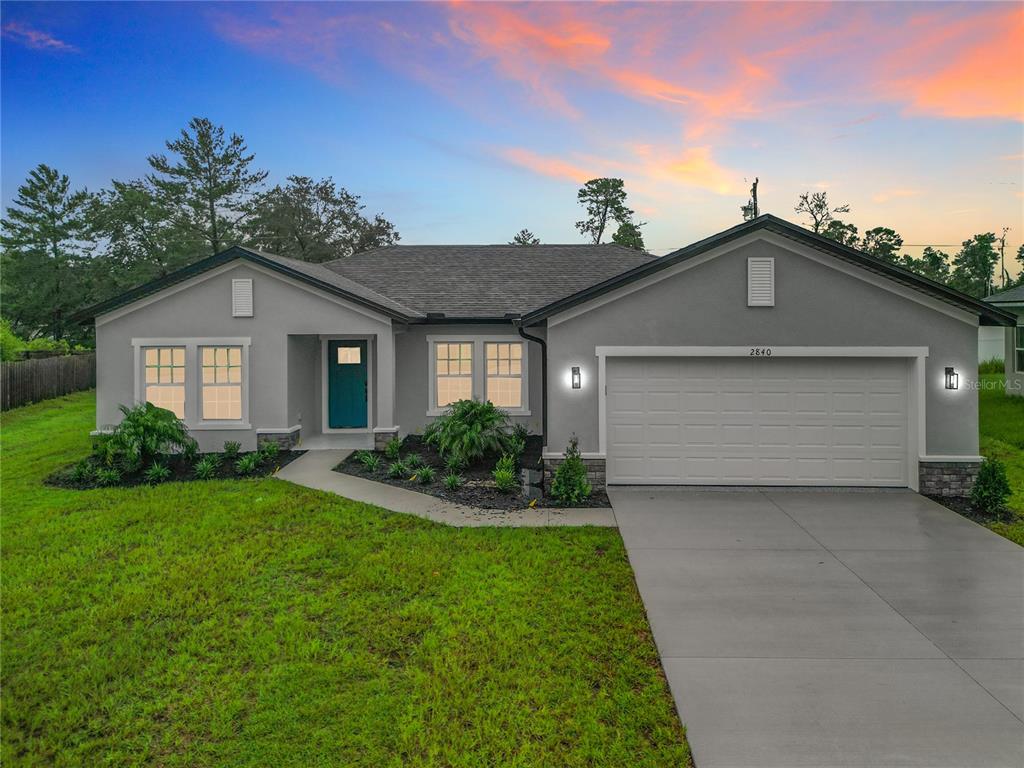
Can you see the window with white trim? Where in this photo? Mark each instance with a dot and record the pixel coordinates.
(165, 378)
(1018, 349)
(504, 383)
(453, 367)
(221, 383)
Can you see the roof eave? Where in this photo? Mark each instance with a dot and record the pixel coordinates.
(89, 314)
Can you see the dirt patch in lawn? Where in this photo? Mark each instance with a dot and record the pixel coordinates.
(181, 470)
(477, 489)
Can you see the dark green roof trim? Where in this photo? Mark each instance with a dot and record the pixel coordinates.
(384, 306)
(988, 314)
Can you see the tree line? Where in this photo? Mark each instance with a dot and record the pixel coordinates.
(64, 249)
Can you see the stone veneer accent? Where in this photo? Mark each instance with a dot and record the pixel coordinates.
(286, 440)
(948, 478)
(595, 471)
(381, 439)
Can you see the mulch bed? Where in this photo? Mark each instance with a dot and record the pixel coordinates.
(963, 506)
(181, 470)
(478, 489)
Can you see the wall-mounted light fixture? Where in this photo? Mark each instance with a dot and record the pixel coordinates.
(577, 381)
(952, 379)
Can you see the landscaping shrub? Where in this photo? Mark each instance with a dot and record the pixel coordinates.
(425, 475)
(453, 481)
(247, 464)
(455, 462)
(156, 473)
(991, 489)
(231, 449)
(505, 480)
(270, 451)
(206, 467)
(397, 469)
(507, 463)
(413, 461)
(393, 448)
(369, 460)
(570, 485)
(144, 433)
(470, 428)
(83, 473)
(992, 365)
(11, 346)
(107, 476)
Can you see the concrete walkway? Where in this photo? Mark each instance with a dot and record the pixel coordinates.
(315, 470)
(820, 629)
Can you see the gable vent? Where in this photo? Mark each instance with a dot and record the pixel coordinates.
(761, 282)
(241, 298)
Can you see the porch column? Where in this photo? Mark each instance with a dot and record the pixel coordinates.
(385, 428)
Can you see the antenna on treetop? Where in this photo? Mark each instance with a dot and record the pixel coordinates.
(750, 210)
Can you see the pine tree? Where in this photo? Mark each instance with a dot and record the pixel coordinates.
(208, 184)
(46, 256)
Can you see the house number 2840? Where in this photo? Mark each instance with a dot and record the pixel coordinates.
(760, 351)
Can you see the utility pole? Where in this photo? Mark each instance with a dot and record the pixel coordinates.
(1002, 257)
(751, 210)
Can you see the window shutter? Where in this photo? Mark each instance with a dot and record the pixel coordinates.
(761, 282)
(241, 298)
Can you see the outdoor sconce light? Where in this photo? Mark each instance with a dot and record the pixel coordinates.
(952, 379)
(576, 381)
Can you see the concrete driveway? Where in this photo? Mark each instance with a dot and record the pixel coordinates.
(821, 628)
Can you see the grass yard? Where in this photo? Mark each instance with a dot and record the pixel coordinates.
(257, 623)
(1001, 419)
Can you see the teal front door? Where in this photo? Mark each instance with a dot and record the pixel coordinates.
(346, 384)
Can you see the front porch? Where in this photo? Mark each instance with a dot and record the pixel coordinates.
(340, 390)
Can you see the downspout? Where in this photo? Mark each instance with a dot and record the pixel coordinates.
(543, 379)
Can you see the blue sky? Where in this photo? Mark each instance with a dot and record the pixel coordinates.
(466, 122)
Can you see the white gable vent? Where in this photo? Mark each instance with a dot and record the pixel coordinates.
(241, 298)
(761, 282)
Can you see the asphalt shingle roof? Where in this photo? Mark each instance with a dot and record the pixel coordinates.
(1013, 295)
(484, 281)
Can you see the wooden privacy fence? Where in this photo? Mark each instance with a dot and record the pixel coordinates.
(28, 381)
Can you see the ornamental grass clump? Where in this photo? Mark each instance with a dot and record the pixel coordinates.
(570, 486)
(469, 428)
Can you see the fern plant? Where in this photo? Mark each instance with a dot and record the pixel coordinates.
(145, 433)
(505, 480)
(469, 428)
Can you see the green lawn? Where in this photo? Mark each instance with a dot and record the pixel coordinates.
(256, 623)
(1001, 419)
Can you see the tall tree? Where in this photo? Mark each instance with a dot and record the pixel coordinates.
(817, 206)
(45, 256)
(933, 264)
(143, 238)
(973, 265)
(1020, 261)
(605, 201)
(842, 232)
(208, 182)
(314, 221)
(882, 243)
(524, 237)
(629, 235)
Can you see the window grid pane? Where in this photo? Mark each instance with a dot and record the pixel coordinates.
(454, 372)
(164, 374)
(222, 383)
(505, 374)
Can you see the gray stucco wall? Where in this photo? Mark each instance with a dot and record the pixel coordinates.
(1014, 379)
(279, 389)
(815, 305)
(412, 387)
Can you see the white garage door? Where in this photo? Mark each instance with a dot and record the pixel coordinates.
(741, 421)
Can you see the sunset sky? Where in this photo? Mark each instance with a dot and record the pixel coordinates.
(464, 122)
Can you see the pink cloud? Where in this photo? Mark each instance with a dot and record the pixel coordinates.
(37, 40)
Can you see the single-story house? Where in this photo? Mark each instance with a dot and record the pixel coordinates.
(1012, 339)
(763, 355)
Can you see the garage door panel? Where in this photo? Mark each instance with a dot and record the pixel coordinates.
(826, 421)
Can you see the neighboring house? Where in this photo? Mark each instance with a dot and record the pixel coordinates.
(764, 355)
(1012, 301)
